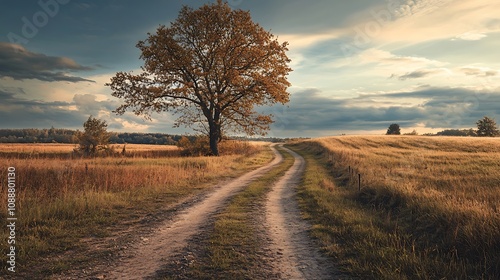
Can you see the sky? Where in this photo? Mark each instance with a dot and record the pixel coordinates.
(358, 66)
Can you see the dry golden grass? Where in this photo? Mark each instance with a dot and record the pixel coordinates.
(36, 148)
(143, 147)
(61, 200)
(455, 173)
(436, 199)
(57, 151)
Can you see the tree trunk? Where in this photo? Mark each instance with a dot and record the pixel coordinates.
(214, 139)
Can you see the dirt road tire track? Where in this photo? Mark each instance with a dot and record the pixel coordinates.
(296, 255)
(145, 259)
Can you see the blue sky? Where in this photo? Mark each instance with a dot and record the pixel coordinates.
(358, 65)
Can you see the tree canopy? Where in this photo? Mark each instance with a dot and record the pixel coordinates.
(394, 129)
(211, 67)
(487, 127)
(94, 137)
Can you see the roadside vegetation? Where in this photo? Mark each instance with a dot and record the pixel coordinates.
(62, 200)
(428, 208)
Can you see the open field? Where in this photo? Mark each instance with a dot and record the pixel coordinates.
(428, 208)
(65, 151)
(68, 148)
(62, 201)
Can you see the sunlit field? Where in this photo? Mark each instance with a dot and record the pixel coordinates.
(428, 206)
(36, 148)
(65, 150)
(60, 199)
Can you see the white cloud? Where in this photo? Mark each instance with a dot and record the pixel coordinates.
(415, 7)
(132, 126)
(387, 60)
(301, 40)
(471, 36)
(416, 21)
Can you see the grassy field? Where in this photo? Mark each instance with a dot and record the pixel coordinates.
(64, 151)
(63, 200)
(429, 208)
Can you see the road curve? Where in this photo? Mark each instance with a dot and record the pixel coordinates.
(145, 259)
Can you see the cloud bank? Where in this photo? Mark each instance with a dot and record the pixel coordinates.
(433, 108)
(20, 64)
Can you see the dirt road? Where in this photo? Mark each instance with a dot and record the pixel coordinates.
(146, 258)
(296, 256)
(292, 254)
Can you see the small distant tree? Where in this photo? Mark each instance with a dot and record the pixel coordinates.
(94, 138)
(487, 127)
(413, 133)
(394, 129)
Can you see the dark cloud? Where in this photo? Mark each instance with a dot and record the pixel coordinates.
(20, 112)
(310, 112)
(23, 113)
(5, 96)
(418, 74)
(20, 64)
(479, 72)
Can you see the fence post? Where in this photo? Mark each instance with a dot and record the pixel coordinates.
(359, 182)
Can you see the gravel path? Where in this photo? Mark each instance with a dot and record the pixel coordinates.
(296, 256)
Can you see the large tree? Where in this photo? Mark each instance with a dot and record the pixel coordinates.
(210, 67)
(487, 127)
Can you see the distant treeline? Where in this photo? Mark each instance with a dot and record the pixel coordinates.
(454, 132)
(266, 139)
(67, 136)
(33, 135)
(458, 132)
